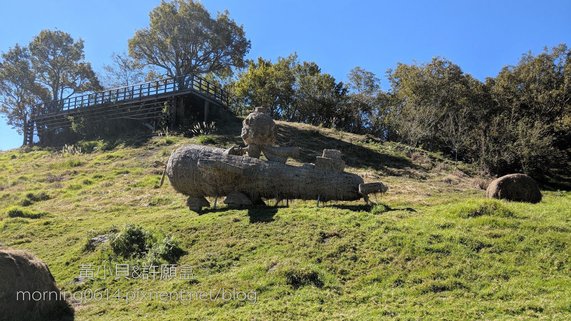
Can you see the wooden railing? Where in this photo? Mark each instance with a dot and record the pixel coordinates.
(172, 86)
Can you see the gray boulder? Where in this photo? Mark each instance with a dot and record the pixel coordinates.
(514, 187)
(28, 290)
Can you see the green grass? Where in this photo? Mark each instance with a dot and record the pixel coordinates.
(24, 213)
(430, 249)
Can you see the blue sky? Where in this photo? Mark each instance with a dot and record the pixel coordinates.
(480, 36)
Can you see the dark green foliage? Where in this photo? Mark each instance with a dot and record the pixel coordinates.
(41, 196)
(132, 241)
(26, 202)
(302, 277)
(32, 198)
(519, 121)
(199, 43)
(24, 213)
(516, 122)
(168, 250)
(294, 91)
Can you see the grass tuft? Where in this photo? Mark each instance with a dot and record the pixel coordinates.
(32, 198)
(488, 208)
(205, 140)
(23, 213)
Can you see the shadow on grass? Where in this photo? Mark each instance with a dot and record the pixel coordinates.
(256, 213)
(312, 143)
(262, 214)
(376, 208)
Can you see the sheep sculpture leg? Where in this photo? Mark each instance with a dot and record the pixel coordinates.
(196, 203)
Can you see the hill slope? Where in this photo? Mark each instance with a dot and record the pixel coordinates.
(434, 248)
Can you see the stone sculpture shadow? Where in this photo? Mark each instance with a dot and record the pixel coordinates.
(262, 214)
(312, 142)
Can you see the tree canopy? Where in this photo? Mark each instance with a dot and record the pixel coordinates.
(517, 121)
(58, 64)
(183, 38)
(51, 67)
(124, 71)
(18, 91)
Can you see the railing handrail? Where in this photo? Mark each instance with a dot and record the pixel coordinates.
(141, 90)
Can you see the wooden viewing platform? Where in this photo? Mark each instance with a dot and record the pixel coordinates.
(143, 102)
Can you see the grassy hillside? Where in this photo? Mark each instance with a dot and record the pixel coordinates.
(433, 248)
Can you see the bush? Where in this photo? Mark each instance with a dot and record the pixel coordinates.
(26, 202)
(167, 250)
(90, 146)
(32, 198)
(132, 241)
(135, 242)
(379, 209)
(170, 250)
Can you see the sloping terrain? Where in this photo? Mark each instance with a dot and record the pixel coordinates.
(433, 247)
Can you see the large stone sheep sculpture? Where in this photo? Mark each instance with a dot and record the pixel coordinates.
(198, 171)
(28, 290)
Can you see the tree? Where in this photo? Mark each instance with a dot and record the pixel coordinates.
(534, 100)
(319, 98)
(184, 39)
(293, 91)
(434, 104)
(363, 108)
(58, 65)
(50, 68)
(267, 84)
(362, 81)
(124, 71)
(19, 95)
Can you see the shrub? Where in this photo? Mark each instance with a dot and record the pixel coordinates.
(132, 241)
(90, 146)
(26, 202)
(168, 250)
(379, 209)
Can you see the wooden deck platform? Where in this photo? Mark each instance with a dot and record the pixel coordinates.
(143, 102)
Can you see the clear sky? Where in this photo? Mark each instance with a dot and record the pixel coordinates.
(480, 36)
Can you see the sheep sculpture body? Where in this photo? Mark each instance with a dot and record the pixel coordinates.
(238, 174)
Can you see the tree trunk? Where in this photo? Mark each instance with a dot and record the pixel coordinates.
(25, 130)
